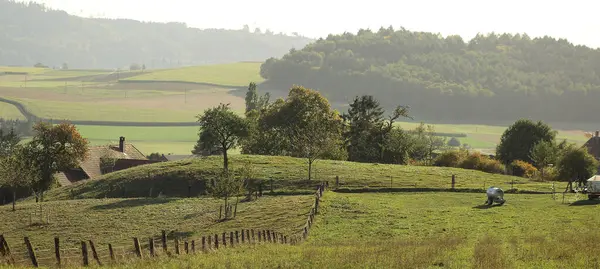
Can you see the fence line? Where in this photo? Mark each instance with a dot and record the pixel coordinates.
(141, 248)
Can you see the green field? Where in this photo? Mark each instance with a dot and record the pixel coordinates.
(449, 230)
(8, 111)
(116, 221)
(288, 175)
(237, 74)
(30, 70)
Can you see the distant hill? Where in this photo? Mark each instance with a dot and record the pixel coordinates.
(31, 34)
(491, 78)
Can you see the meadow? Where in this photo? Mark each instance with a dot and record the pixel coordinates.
(116, 221)
(288, 175)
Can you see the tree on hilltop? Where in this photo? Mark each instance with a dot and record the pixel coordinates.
(519, 139)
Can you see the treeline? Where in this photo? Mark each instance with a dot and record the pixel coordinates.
(491, 78)
(33, 34)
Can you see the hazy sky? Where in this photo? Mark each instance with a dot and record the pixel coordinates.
(573, 19)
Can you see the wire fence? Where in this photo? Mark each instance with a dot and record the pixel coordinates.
(90, 253)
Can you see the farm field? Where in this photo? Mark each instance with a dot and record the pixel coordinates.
(237, 74)
(288, 175)
(416, 230)
(9, 111)
(116, 221)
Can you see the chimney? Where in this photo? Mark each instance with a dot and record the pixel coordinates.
(122, 144)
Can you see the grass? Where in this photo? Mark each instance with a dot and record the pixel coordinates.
(236, 74)
(101, 112)
(449, 230)
(19, 69)
(8, 111)
(288, 175)
(116, 221)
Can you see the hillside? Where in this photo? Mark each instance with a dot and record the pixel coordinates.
(491, 78)
(31, 34)
(288, 176)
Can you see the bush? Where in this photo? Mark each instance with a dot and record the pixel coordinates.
(450, 158)
(473, 161)
(523, 169)
(492, 166)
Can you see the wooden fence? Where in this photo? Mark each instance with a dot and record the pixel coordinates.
(142, 248)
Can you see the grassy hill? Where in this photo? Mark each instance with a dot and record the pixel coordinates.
(288, 176)
(416, 230)
(116, 221)
(236, 75)
(8, 111)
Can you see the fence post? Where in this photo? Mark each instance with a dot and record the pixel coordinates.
(163, 240)
(56, 250)
(269, 236)
(285, 239)
(259, 237)
(305, 232)
(186, 246)
(235, 210)
(231, 239)
(281, 235)
(193, 246)
(224, 241)
(316, 204)
(94, 253)
(253, 238)
(216, 241)
(453, 181)
(138, 249)
(243, 236)
(337, 181)
(6, 248)
(111, 252)
(204, 243)
(151, 246)
(248, 235)
(274, 236)
(237, 238)
(31, 252)
(177, 246)
(84, 254)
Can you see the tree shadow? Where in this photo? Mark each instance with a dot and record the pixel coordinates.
(131, 203)
(585, 202)
(486, 206)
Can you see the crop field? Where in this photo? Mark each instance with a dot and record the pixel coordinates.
(237, 74)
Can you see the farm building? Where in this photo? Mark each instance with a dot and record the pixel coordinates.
(102, 160)
(593, 146)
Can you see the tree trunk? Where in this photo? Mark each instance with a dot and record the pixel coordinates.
(14, 201)
(310, 162)
(225, 160)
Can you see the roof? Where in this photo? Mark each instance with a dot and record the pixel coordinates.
(594, 178)
(90, 166)
(593, 146)
(122, 164)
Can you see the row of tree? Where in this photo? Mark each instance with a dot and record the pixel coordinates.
(32, 165)
(494, 77)
(305, 125)
(32, 33)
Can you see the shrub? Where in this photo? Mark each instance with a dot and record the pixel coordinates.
(451, 158)
(473, 161)
(491, 166)
(523, 169)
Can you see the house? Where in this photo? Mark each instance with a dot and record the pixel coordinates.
(104, 159)
(593, 146)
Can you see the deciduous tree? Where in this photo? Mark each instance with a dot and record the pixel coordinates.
(519, 139)
(220, 127)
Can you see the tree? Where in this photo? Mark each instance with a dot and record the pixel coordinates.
(8, 142)
(134, 67)
(454, 142)
(363, 119)
(251, 97)
(220, 127)
(307, 123)
(576, 164)
(519, 139)
(14, 172)
(543, 154)
(51, 150)
(225, 186)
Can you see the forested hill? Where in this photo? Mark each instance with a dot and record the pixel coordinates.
(30, 33)
(490, 78)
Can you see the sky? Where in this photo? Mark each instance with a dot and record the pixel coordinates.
(573, 19)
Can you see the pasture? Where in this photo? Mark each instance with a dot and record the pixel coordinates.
(288, 176)
(116, 221)
(417, 230)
